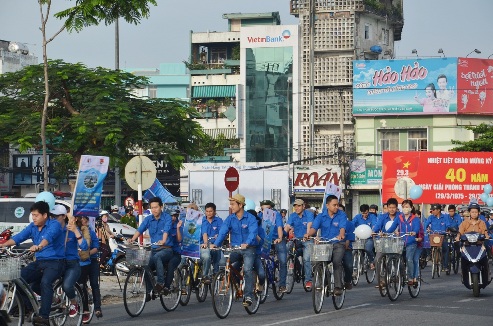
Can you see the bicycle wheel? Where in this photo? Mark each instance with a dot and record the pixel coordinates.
(415, 288)
(201, 291)
(13, 305)
(394, 278)
(134, 291)
(450, 261)
(290, 274)
(252, 309)
(382, 276)
(186, 284)
(337, 300)
(457, 262)
(439, 261)
(318, 291)
(263, 294)
(222, 294)
(60, 307)
(356, 266)
(423, 259)
(370, 273)
(275, 289)
(172, 300)
(434, 260)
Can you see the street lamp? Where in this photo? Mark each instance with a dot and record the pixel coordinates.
(414, 51)
(440, 51)
(475, 50)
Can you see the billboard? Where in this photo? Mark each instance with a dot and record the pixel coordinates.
(314, 178)
(405, 87)
(445, 177)
(474, 86)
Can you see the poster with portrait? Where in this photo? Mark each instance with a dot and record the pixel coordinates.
(191, 234)
(22, 170)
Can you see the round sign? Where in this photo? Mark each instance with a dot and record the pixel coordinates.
(129, 201)
(140, 170)
(231, 179)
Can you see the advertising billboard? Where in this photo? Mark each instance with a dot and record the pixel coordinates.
(405, 87)
(475, 86)
(445, 177)
(314, 178)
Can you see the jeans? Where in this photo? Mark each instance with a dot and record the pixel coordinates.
(282, 256)
(410, 251)
(84, 275)
(161, 258)
(417, 254)
(258, 267)
(42, 274)
(445, 250)
(94, 281)
(347, 263)
(338, 252)
(369, 249)
(248, 256)
(209, 257)
(306, 249)
(70, 277)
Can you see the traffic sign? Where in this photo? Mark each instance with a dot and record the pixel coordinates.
(140, 170)
(231, 179)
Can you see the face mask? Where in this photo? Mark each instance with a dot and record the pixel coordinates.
(105, 219)
(406, 210)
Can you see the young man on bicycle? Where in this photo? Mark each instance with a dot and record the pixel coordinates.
(211, 224)
(438, 222)
(300, 221)
(332, 223)
(364, 217)
(49, 246)
(158, 224)
(243, 229)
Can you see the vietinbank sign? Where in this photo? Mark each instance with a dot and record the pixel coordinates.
(269, 36)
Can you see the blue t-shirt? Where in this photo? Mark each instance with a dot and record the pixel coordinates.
(210, 228)
(382, 221)
(350, 231)
(156, 227)
(52, 232)
(262, 235)
(454, 221)
(299, 223)
(172, 240)
(242, 230)
(94, 243)
(330, 226)
(72, 245)
(370, 220)
(435, 223)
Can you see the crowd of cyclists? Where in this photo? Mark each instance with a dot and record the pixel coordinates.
(67, 246)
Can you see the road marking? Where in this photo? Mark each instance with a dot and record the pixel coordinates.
(317, 315)
(433, 306)
(471, 299)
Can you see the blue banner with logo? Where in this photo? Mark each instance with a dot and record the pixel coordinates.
(158, 190)
(89, 185)
(191, 234)
(269, 225)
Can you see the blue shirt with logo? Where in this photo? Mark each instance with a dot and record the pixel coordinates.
(210, 228)
(94, 243)
(72, 245)
(156, 227)
(172, 240)
(440, 223)
(52, 232)
(382, 221)
(262, 235)
(370, 220)
(241, 231)
(455, 220)
(299, 223)
(330, 226)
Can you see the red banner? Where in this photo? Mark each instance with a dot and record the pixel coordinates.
(445, 177)
(474, 86)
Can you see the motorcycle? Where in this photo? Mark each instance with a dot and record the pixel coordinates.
(475, 269)
(117, 258)
(6, 234)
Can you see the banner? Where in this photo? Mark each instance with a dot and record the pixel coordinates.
(405, 87)
(191, 234)
(314, 179)
(445, 177)
(158, 190)
(474, 86)
(89, 185)
(269, 225)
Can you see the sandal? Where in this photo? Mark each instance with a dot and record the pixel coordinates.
(98, 314)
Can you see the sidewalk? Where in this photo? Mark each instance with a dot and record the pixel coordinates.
(110, 291)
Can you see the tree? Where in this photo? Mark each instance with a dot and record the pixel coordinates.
(84, 13)
(483, 143)
(94, 111)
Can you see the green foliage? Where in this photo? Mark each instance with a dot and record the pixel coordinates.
(93, 111)
(64, 165)
(91, 12)
(215, 147)
(236, 53)
(483, 142)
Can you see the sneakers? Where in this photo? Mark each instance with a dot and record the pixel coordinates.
(158, 288)
(308, 285)
(165, 291)
(206, 280)
(40, 321)
(98, 313)
(260, 288)
(283, 289)
(86, 317)
(184, 291)
(337, 291)
(247, 302)
(348, 285)
(73, 310)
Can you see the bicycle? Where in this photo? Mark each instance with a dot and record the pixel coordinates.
(228, 284)
(453, 254)
(323, 276)
(361, 263)
(296, 269)
(192, 281)
(17, 289)
(271, 267)
(139, 277)
(436, 241)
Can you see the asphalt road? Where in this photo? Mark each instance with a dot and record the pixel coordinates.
(441, 301)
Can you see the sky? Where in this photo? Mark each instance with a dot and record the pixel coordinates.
(456, 26)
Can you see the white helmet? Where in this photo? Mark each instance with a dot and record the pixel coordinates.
(103, 212)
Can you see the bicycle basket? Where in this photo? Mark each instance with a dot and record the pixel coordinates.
(321, 252)
(359, 244)
(10, 269)
(389, 245)
(436, 240)
(137, 256)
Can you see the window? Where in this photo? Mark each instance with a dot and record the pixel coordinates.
(152, 91)
(389, 141)
(367, 32)
(385, 34)
(218, 55)
(417, 140)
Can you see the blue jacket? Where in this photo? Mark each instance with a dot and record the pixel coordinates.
(299, 223)
(382, 220)
(262, 235)
(211, 229)
(412, 224)
(437, 224)
(241, 231)
(350, 232)
(72, 245)
(172, 240)
(94, 243)
(156, 227)
(454, 221)
(330, 226)
(370, 220)
(52, 232)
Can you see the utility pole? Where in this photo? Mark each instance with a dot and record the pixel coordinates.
(118, 191)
